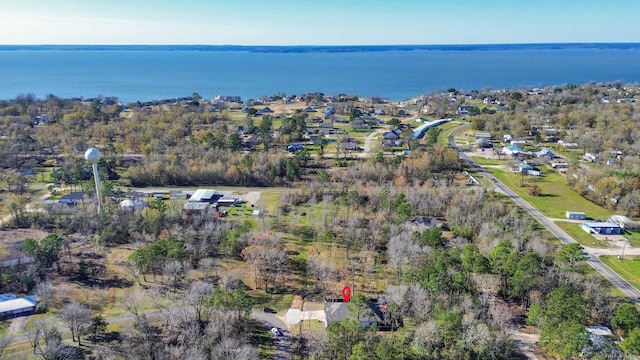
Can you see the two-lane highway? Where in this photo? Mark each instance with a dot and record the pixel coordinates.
(565, 238)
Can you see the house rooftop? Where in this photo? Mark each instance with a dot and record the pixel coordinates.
(73, 196)
(601, 225)
(336, 311)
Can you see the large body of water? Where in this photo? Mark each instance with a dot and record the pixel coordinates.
(145, 73)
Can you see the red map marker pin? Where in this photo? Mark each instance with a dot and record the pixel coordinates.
(346, 293)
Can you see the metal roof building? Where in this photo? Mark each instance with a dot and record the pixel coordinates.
(17, 307)
(202, 195)
(602, 228)
(419, 132)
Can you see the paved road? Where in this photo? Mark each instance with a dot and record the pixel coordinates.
(282, 343)
(598, 265)
(370, 138)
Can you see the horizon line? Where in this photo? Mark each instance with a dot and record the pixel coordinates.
(338, 45)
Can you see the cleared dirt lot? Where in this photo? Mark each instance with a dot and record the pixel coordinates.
(11, 241)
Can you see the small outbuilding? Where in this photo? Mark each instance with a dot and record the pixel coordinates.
(195, 208)
(545, 153)
(602, 228)
(576, 215)
(483, 138)
(133, 204)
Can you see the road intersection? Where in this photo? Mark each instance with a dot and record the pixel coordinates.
(564, 238)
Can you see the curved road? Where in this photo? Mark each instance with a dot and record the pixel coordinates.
(282, 343)
(593, 260)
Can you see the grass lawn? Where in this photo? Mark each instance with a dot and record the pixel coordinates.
(627, 268)
(447, 129)
(268, 201)
(557, 197)
(633, 237)
(484, 161)
(574, 230)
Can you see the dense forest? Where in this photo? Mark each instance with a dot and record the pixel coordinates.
(462, 267)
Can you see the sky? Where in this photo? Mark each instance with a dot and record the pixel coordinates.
(319, 22)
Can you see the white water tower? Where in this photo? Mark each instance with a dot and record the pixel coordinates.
(93, 155)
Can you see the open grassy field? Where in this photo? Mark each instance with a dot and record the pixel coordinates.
(581, 236)
(447, 129)
(481, 160)
(627, 268)
(633, 237)
(557, 197)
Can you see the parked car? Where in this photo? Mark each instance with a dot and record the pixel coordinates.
(269, 310)
(276, 331)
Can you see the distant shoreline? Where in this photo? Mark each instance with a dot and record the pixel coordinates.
(327, 48)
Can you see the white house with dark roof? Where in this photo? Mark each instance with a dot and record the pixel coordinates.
(73, 198)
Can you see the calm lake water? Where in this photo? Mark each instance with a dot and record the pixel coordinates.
(396, 73)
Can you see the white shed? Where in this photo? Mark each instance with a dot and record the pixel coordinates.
(576, 215)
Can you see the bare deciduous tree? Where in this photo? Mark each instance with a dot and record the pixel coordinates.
(197, 297)
(77, 317)
(44, 294)
(4, 342)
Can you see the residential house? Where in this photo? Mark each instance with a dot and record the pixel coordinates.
(360, 124)
(379, 112)
(326, 129)
(591, 157)
(376, 315)
(511, 150)
(524, 167)
(227, 98)
(348, 143)
(392, 138)
(394, 134)
(545, 153)
(329, 112)
(567, 145)
(133, 204)
(72, 199)
(292, 148)
(249, 141)
(465, 109)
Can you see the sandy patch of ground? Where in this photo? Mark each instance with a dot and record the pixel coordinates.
(12, 239)
(525, 342)
(252, 197)
(17, 325)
